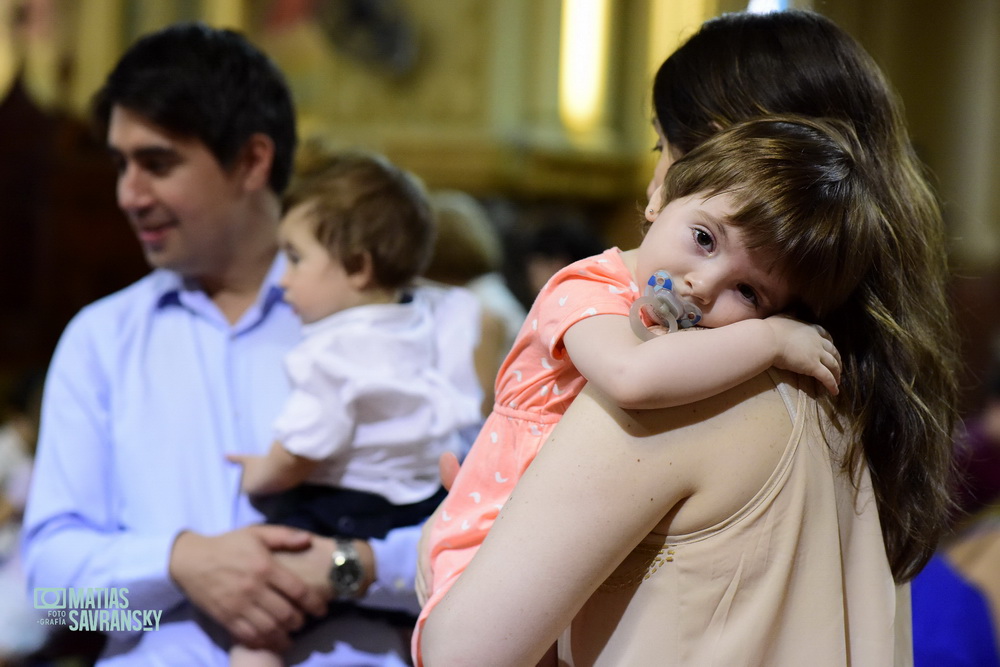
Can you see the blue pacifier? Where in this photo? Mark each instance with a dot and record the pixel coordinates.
(662, 306)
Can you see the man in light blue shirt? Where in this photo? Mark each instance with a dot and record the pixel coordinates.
(151, 387)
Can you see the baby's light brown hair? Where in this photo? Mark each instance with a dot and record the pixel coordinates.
(806, 201)
(361, 203)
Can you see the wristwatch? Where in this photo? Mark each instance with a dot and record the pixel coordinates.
(347, 573)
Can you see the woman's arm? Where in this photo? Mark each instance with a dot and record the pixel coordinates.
(700, 363)
(601, 483)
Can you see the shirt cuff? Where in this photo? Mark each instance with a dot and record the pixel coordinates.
(395, 571)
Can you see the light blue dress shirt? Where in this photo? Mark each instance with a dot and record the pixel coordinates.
(147, 392)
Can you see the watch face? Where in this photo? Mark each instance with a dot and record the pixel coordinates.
(347, 572)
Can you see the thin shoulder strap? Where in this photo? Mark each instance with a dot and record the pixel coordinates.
(788, 388)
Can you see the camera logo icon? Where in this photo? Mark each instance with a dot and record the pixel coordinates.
(50, 598)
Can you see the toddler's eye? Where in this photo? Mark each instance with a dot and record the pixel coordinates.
(749, 294)
(704, 239)
(658, 148)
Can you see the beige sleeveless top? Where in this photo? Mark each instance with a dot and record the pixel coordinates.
(797, 577)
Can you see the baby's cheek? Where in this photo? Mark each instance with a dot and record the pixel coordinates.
(722, 314)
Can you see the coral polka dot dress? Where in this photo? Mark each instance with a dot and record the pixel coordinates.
(535, 385)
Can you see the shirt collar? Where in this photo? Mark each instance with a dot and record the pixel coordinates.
(176, 290)
(365, 313)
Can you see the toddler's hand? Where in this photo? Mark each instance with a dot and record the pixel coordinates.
(251, 470)
(448, 467)
(807, 349)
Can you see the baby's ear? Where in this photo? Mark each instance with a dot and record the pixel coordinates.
(655, 204)
(361, 270)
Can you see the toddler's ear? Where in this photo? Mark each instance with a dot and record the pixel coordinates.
(361, 271)
(655, 204)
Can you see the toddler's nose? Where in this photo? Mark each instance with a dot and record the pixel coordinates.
(703, 285)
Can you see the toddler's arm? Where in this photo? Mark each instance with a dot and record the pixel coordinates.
(688, 366)
(277, 471)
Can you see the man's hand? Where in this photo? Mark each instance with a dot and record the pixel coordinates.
(235, 579)
(312, 565)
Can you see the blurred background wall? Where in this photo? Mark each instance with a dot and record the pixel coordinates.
(539, 108)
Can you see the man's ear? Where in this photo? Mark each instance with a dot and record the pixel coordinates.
(256, 160)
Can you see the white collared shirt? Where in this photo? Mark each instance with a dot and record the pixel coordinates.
(370, 399)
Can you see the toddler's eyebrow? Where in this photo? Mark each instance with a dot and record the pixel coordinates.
(718, 224)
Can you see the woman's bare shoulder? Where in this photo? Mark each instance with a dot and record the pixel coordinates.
(721, 450)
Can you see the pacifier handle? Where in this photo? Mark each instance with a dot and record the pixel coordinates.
(662, 306)
(635, 318)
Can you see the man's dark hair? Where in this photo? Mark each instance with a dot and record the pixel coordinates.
(206, 83)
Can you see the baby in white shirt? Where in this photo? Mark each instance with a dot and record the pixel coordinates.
(375, 400)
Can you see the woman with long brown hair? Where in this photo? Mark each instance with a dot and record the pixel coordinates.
(769, 524)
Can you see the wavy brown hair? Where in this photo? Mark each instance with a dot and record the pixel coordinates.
(895, 330)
